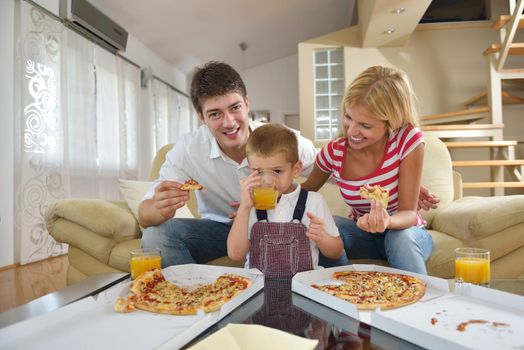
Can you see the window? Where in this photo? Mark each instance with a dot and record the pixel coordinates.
(329, 88)
(172, 114)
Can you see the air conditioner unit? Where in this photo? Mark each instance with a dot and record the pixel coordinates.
(90, 21)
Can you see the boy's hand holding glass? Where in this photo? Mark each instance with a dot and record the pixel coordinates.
(246, 190)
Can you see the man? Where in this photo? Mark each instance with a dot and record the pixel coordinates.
(215, 156)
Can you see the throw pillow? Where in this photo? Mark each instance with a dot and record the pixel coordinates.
(134, 191)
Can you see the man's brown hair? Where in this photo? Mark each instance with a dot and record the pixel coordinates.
(215, 79)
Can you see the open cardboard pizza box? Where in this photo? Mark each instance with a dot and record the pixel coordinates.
(91, 323)
(502, 312)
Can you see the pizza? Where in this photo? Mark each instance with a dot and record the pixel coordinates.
(377, 193)
(191, 185)
(152, 292)
(369, 290)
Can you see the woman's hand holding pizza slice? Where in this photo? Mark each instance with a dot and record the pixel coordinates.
(377, 220)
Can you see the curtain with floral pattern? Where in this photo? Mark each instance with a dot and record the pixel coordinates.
(76, 124)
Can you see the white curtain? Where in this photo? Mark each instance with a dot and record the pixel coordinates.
(102, 100)
(172, 114)
(40, 174)
(77, 124)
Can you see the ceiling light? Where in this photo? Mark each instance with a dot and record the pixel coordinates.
(399, 10)
(390, 31)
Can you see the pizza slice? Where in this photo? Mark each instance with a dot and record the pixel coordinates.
(377, 193)
(191, 185)
(124, 305)
(369, 290)
(152, 292)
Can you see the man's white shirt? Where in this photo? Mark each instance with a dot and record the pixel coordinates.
(198, 156)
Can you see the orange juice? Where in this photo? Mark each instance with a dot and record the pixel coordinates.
(141, 264)
(472, 270)
(265, 198)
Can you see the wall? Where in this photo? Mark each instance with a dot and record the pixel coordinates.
(446, 67)
(274, 87)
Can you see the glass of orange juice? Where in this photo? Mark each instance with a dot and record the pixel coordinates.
(265, 197)
(472, 266)
(144, 259)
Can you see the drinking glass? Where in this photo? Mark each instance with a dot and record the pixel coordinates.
(472, 266)
(144, 259)
(265, 196)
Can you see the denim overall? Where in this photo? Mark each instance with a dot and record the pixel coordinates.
(281, 249)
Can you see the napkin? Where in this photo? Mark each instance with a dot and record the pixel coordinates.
(253, 337)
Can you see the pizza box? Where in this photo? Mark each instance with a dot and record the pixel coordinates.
(302, 282)
(498, 316)
(471, 318)
(91, 323)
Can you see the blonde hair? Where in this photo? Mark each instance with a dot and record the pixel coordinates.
(386, 93)
(270, 139)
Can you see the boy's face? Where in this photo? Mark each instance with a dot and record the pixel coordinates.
(278, 166)
(228, 120)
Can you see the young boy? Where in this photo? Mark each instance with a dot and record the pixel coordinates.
(287, 239)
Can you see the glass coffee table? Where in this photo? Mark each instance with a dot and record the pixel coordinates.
(274, 306)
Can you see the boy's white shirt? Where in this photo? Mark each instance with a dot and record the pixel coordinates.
(283, 212)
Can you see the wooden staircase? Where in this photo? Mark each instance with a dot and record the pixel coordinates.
(467, 124)
(457, 117)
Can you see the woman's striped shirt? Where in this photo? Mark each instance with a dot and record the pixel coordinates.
(401, 142)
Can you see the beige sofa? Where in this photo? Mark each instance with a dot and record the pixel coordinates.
(101, 233)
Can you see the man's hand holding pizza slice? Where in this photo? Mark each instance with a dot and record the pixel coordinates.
(169, 197)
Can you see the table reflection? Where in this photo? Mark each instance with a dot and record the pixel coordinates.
(276, 306)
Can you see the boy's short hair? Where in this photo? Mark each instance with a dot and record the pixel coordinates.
(272, 138)
(215, 79)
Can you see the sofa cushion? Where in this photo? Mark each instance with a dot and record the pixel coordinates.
(119, 258)
(509, 266)
(441, 263)
(108, 219)
(437, 175)
(94, 245)
(86, 263)
(471, 218)
(134, 191)
(501, 243)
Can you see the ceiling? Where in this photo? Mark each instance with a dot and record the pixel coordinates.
(187, 33)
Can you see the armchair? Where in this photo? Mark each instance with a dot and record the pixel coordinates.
(101, 233)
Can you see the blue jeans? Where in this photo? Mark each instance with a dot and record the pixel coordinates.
(406, 249)
(327, 262)
(187, 241)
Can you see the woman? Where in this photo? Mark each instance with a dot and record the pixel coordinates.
(379, 145)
